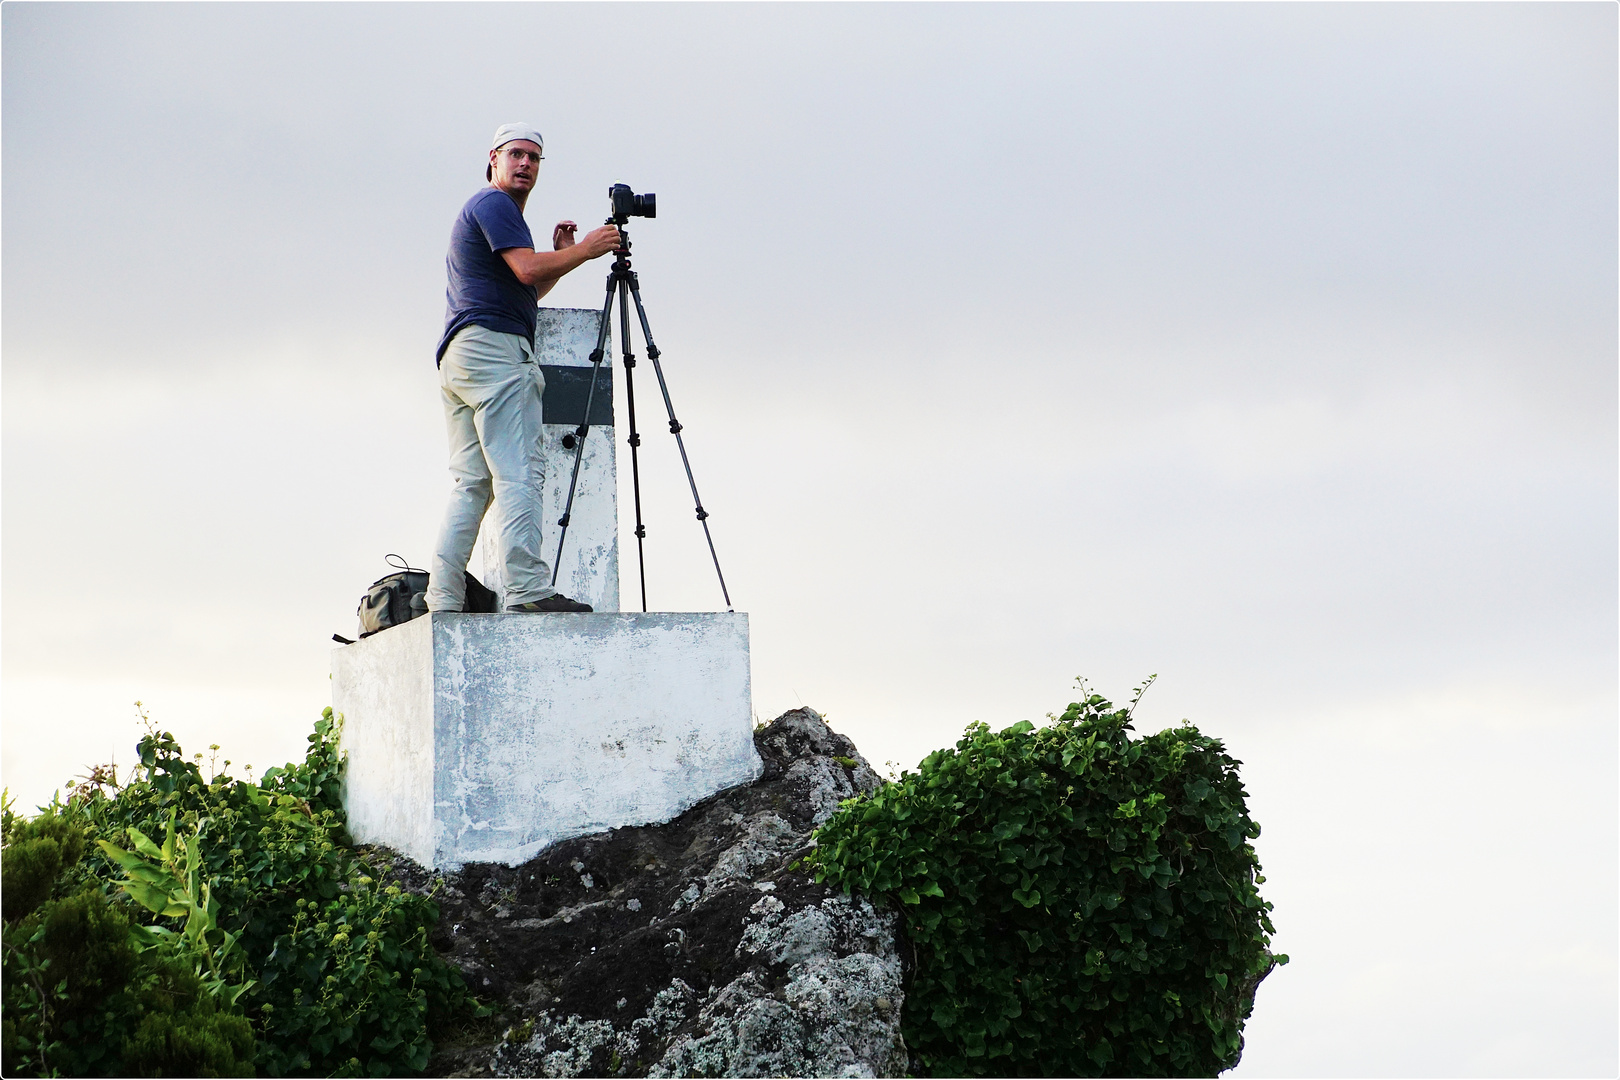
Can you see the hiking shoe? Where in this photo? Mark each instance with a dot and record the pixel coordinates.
(555, 602)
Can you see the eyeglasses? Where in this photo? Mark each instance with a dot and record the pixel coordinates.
(525, 155)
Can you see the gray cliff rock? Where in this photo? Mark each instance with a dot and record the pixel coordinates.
(694, 948)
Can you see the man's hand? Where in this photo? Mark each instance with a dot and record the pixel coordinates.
(599, 242)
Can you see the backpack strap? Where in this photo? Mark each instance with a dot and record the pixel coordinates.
(398, 562)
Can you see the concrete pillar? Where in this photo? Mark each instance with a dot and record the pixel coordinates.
(589, 568)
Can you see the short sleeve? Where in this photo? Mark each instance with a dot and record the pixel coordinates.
(501, 222)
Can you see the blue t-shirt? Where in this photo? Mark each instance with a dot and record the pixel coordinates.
(483, 290)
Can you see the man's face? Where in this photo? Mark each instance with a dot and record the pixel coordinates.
(515, 165)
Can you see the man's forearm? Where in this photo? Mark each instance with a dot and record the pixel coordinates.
(542, 269)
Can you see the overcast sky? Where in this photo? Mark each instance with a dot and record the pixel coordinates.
(1271, 349)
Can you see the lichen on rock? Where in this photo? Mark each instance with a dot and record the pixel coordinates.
(831, 1013)
(694, 948)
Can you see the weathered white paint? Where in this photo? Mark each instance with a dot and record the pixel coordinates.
(589, 568)
(388, 691)
(484, 738)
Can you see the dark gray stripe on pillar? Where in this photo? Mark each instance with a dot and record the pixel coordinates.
(566, 390)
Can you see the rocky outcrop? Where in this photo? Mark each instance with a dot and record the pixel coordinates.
(694, 948)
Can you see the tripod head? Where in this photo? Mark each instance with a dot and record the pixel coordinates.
(621, 255)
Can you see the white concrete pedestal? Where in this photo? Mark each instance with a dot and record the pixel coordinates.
(485, 738)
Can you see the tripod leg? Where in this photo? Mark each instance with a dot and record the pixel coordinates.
(675, 430)
(585, 424)
(635, 438)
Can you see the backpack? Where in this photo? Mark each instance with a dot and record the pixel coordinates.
(401, 597)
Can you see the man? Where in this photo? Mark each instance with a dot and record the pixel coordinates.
(490, 379)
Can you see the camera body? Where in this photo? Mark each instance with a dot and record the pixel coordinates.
(626, 204)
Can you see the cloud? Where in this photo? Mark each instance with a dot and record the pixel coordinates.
(1270, 348)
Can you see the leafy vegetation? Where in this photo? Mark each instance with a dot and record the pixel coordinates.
(180, 926)
(1081, 903)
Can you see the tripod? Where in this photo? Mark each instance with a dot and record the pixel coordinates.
(622, 280)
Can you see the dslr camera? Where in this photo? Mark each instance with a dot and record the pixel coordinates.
(626, 204)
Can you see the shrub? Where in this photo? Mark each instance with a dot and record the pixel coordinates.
(186, 1033)
(253, 935)
(76, 985)
(35, 852)
(1080, 903)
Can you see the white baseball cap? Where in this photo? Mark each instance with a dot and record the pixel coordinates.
(508, 132)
